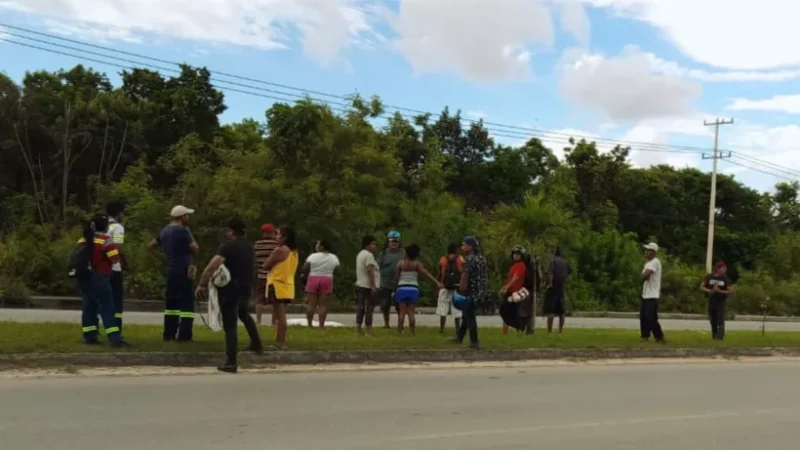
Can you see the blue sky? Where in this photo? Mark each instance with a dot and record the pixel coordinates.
(639, 71)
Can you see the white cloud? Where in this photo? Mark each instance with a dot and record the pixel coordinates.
(762, 155)
(89, 32)
(781, 103)
(741, 34)
(477, 39)
(326, 27)
(670, 67)
(575, 21)
(625, 87)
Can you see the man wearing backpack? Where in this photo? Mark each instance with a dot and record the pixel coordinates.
(91, 266)
(450, 267)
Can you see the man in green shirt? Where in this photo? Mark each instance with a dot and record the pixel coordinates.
(387, 263)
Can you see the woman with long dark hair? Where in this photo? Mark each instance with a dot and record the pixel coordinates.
(282, 267)
(97, 251)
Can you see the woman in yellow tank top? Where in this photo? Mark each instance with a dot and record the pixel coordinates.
(282, 267)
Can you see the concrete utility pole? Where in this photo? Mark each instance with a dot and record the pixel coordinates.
(712, 204)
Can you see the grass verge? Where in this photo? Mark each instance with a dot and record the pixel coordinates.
(65, 338)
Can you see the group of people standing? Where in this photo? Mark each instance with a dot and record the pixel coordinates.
(268, 267)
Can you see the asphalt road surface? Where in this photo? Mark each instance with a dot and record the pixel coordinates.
(693, 406)
(46, 315)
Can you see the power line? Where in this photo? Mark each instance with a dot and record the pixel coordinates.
(765, 172)
(516, 130)
(767, 164)
(271, 94)
(508, 131)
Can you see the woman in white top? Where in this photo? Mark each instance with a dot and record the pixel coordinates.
(320, 267)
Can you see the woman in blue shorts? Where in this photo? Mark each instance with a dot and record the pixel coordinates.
(407, 293)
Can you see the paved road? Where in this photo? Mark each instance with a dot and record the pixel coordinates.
(731, 406)
(46, 315)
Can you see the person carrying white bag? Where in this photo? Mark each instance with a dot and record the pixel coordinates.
(230, 275)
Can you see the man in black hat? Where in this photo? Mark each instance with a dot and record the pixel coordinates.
(234, 298)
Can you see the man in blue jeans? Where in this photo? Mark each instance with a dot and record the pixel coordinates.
(175, 245)
(472, 286)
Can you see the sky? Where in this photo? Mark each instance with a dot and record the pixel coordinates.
(647, 73)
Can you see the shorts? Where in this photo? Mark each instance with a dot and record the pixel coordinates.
(261, 292)
(444, 307)
(319, 285)
(407, 294)
(271, 297)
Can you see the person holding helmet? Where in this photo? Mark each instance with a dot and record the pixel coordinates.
(517, 293)
(388, 260)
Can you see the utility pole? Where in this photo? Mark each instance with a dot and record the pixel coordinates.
(712, 203)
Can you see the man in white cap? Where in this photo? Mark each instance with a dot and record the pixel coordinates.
(176, 246)
(651, 291)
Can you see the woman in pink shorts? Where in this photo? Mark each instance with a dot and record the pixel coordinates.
(320, 267)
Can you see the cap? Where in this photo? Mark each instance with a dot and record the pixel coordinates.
(651, 246)
(180, 210)
(267, 227)
(472, 241)
(393, 235)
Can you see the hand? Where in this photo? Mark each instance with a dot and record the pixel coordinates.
(201, 292)
(374, 291)
(439, 285)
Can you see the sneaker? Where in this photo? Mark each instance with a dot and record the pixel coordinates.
(475, 346)
(257, 349)
(228, 368)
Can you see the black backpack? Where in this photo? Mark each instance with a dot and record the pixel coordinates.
(452, 276)
(80, 262)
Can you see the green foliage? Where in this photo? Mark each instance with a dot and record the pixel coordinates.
(70, 142)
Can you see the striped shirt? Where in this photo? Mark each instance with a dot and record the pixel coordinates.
(263, 249)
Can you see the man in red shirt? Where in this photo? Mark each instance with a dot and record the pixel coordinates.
(95, 287)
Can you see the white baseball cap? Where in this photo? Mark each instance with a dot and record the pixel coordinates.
(651, 246)
(180, 211)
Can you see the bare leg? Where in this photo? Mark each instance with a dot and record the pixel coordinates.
(458, 324)
(442, 323)
(412, 319)
(561, 323)
(279, 312)
(401, 317)
(259, 313)
(505, 328)
(312, 300)
(550, 318)
(324, 299)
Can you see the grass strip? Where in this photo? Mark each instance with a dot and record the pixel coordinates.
(66, 338)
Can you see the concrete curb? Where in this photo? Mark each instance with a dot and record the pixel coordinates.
(76, 360)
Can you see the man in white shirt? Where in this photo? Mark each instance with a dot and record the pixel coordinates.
(651, 291)
(116, 232)
(367, 283)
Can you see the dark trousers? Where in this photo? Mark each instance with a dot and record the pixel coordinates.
(469, 323)
(716, 314)
(96, 298)
(179, 310)
(235, 308)
(116, 292)
(365, 306)
(648, 319)
(387, 300)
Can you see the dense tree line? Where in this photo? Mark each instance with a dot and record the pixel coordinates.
(71, 141)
